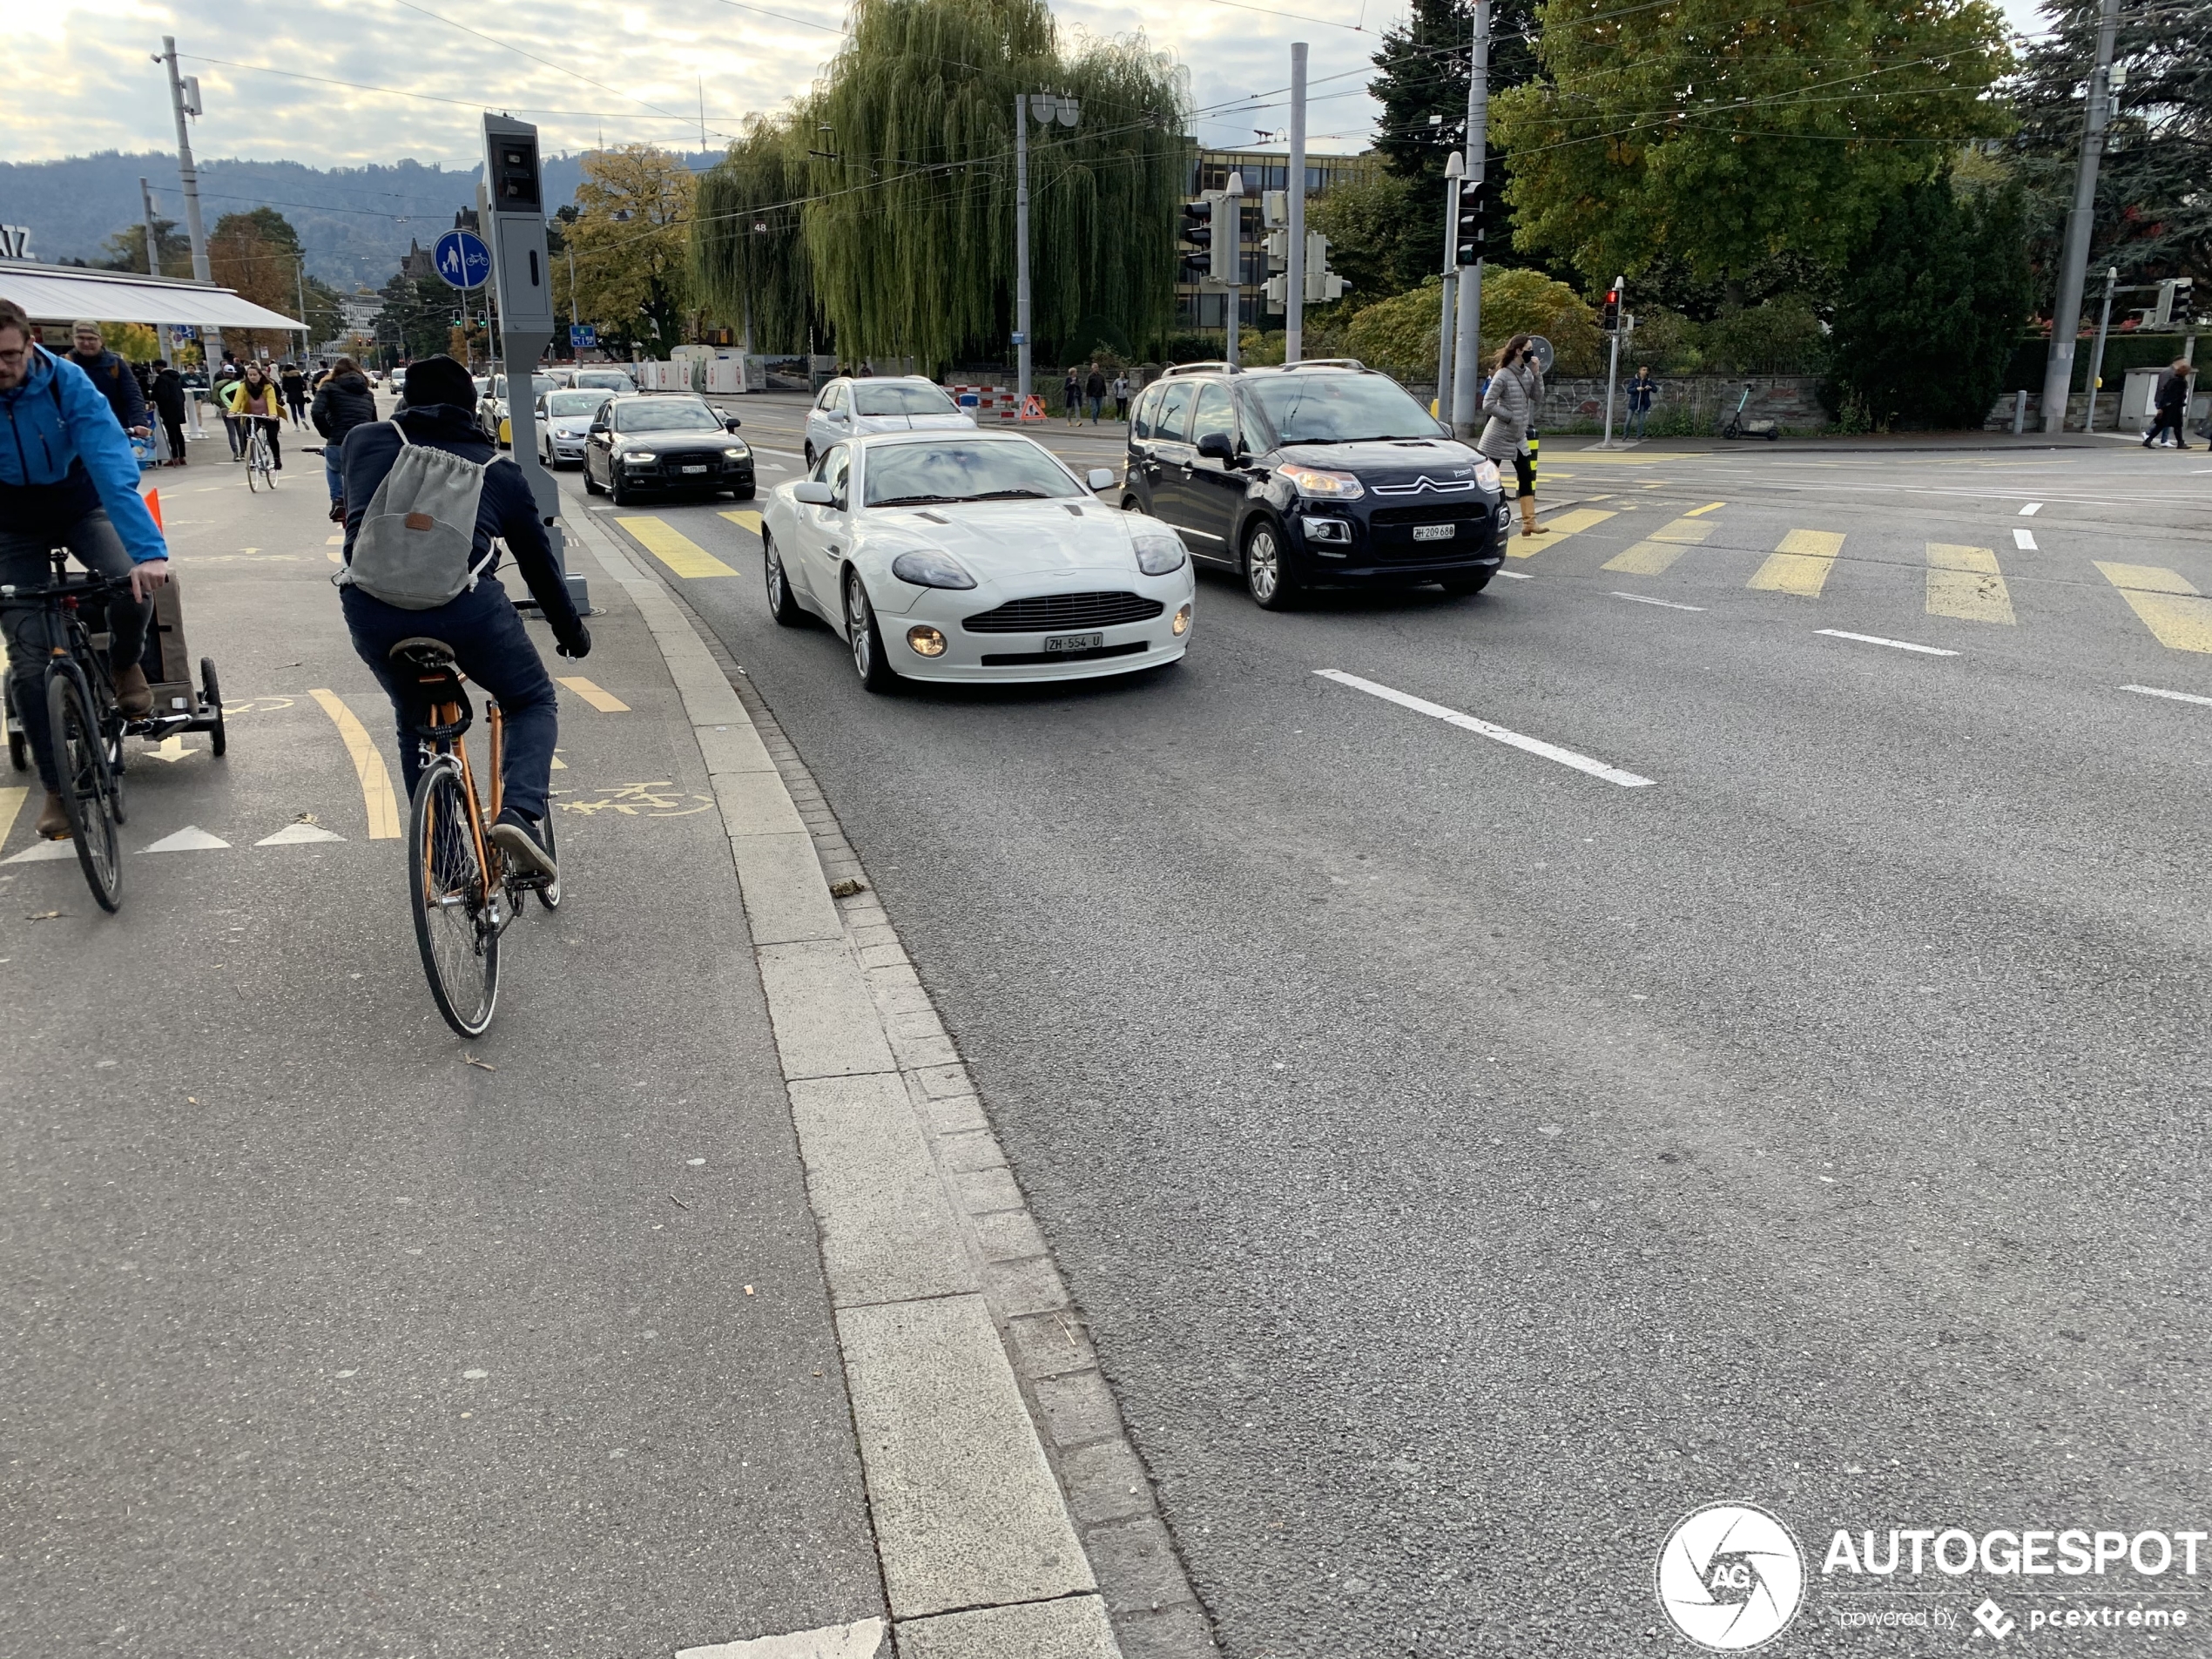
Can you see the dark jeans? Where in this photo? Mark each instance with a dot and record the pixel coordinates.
(1094, 403)
(1524, 472)
(1636, 419)
(332, 451)
(175, 430)
(2163, 421)
(1121, 408)
(22, 560)
(494, 649)
(235, 432)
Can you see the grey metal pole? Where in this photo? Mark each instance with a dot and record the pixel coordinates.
(1294, 303)
(1447, 343)
(1613, 367)
(2097, 357)
(1468, 379)
(1021, 252)
(1234, 302)
(188, 177)
(2066, 315)
(153, 261)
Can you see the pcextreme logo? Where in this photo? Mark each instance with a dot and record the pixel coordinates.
(1730, 1577)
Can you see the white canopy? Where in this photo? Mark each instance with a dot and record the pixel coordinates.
(65, 292)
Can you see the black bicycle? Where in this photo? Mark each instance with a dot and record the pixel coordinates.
(84, 720)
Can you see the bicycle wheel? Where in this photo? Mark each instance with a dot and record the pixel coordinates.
(80, 762)
(253, 462)
(452, 901)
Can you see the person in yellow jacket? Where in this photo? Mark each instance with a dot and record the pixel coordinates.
(258, 399)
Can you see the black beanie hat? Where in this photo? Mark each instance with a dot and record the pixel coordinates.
(439, 380)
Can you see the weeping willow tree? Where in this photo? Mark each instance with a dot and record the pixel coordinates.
(908, 227)
(748, 243)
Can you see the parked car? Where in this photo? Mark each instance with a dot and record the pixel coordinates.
(1322, 474)
(659, 442)
(975, 556)
(852, 408)
(563, 421)
(492, 413)
(594, 377)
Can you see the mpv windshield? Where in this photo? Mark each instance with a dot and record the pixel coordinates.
(612, 379)
(1336, 408)
(911, 475)
(900, 398)
(656, 417)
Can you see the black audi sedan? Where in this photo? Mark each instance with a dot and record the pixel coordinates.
(1323, 474)
(657, 443)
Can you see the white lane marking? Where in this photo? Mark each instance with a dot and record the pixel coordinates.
(190, 839)
(298, 834)
(1646, 600)
(1484, 729)
(1894, 645)
(1520, 576)
(788, 454)
(2178, 697)
(2031, 509)
(2024, 540)
(856, 1641)
(40, 852)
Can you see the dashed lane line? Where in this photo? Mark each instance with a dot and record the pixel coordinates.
(2140, 690)
(2031, 509)
(1487, 729)
(605, 702)
(1894, 645)
(2024, 541)
(674, 548)
(1799, 564)
(2178, 617)
(1646, 600)
(1966, 583)
(382, 806)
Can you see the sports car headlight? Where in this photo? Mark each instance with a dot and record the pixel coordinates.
(739, 452)
(639, 456)
(1330, 486)
(930, 569)
(1486, 473)
(1157, 553)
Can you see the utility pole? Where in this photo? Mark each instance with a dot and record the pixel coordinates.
(153, 261)
(299, 280)
(1447, 343)
(1294, 300)
(1468, 379)
(2066, 316)
(1234, 305)
(1021, 253)
(2097, 357)
(188, 177)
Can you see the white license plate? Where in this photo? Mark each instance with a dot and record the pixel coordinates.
(1060, 643)
(1448, 527)
(1435, 532)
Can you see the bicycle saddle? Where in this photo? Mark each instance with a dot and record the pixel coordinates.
(427, 667)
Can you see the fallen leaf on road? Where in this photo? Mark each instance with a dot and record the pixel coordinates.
(481, 1065)
(846, 888)
(305, 818)
(192, 1100)
(748, 1290)
(44, 915)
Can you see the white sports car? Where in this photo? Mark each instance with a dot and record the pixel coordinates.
(976, 556)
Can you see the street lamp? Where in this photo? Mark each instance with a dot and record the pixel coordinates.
(1045, 107)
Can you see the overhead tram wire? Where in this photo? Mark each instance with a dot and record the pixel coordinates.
(428, 98)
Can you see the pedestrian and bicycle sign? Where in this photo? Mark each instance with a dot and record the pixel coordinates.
(462, 259)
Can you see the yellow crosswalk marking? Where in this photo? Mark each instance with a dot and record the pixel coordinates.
(605, 702)
(1965, 582)
(1710, 506)
(1799, 564)
(10, 803)
(674, 548)
(369, 767)
(744, 520)
(1669, 542)
(2178, 617)
(1565, 525)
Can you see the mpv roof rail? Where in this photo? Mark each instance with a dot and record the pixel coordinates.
(1329, 362)
(1199, 368)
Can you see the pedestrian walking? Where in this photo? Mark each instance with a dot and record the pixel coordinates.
(1121, 397)
(2170, 406)
(294, 384)
(1640, 394)
(1095, 392)
(1071, 397)
(1516, 388)
(343, 401)
(169, 404)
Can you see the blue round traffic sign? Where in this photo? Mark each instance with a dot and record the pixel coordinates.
(462, 259)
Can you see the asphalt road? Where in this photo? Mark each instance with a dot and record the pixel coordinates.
(1469, 1164)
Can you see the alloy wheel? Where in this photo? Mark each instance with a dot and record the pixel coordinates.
(1263, 565)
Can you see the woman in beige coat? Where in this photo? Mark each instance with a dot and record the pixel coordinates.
(1515, 391)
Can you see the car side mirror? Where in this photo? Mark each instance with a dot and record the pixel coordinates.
(1099, 477)
(814, 493)
(730, 423)
(1216, 446)
(599, 429)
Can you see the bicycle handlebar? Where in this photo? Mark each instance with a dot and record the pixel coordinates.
(15, 594)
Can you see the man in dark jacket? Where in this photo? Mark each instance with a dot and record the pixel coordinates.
(111, 374)
(2169, 407)
(487, 638)
(293, 385)
(1095, 392)
(342, 402)
(169, 403)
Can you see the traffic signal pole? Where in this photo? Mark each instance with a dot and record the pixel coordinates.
(1447, 344)
(2097, 357)
(1022, 248)
(1467, 381)
(1613, 364)
(2066, 315)
(1294, 294)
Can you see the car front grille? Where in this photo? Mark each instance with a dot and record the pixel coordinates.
(1435, 512)
(1057, 612)
(1390, 533)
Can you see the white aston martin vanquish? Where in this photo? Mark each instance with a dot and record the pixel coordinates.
(975, 556)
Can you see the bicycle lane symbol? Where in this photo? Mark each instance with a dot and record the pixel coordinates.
(657, 800)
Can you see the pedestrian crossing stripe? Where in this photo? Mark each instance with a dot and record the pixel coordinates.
(1710, 506)
(2177, 616)
(1653, 555)
(746, 521)
(605, 702)
(1966, 583)
(12, 802)
(1560, 528)
(1799, 564)
(674, 548)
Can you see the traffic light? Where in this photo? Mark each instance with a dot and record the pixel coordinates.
(1197, 237)
(1228, 239)
(1471, 220)
(1609, 319)
(1322, 284)
(1278, 287)
(2180, 311)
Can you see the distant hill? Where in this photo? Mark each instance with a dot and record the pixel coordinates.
(354, 222)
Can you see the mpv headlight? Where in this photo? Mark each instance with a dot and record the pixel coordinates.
(1328, 486)
(1486, 473)
(1157, 552)
(930, 569)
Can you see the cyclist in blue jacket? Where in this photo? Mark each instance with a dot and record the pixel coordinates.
(68, 478)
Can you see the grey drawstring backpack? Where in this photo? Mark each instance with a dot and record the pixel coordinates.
(411, 550)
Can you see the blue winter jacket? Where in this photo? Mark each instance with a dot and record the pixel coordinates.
(62, 453)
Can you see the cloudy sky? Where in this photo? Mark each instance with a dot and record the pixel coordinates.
(584, 71)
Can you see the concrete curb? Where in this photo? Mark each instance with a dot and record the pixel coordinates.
(1010, 1512)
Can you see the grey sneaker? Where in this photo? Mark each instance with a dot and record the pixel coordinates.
(518, 838)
